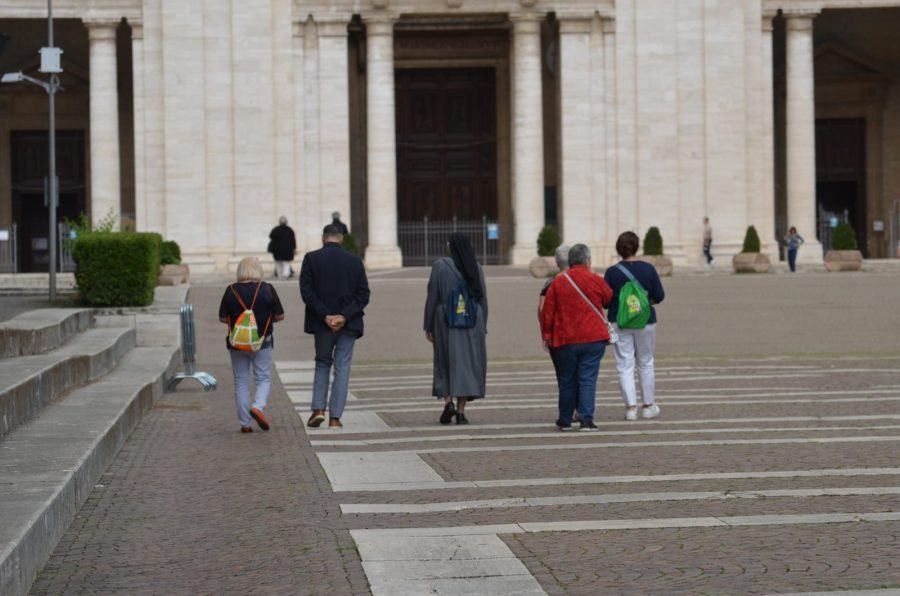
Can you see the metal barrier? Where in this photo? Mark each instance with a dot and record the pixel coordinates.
(66, 241)
(894, 246)
(189, 353)
(8, 256)
(424, 241)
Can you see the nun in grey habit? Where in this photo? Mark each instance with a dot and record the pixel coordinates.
(460, 357)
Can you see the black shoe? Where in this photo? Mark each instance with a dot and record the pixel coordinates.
(447, 414)
(587, 425)
(563, 426)
(461, 419)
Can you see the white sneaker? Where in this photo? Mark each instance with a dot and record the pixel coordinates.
(651, 411)
(631, 414)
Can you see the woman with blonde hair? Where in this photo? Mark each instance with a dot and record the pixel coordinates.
(251, 293)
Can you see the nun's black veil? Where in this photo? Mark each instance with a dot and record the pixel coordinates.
(464, 258)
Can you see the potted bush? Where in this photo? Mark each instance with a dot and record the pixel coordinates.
(172, 272)
(544, 264)
(653, 252)
(750, 260)
(844, 254)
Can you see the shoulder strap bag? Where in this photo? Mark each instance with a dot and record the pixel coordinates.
(613, 336)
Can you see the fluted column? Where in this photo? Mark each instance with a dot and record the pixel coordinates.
(528, 137)
(140, 172)
(333, 118)
(106, 190)
(381, 173)
(766, 207)
(800, 117)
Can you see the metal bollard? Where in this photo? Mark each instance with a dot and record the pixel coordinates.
(189, 354)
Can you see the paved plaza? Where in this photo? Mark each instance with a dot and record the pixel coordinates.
(773, 467)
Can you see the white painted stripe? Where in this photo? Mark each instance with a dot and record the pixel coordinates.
(359, 508)
(638, 524)
(656, 422)
(579, 435)
(714, 443)
(347, 468)
(534, 404)
(441, 484)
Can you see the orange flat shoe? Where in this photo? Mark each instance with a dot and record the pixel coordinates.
(260, 418)
(335, 423)
(246, 429)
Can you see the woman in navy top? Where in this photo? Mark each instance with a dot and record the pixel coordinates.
(635, 345)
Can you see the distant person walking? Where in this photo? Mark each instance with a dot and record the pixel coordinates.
(707, 241)
(283, 246)
(335, 289)
(635, 344)
(456, 313)
(573, 325)
(336, 221)
(251, 293)
(793, 240)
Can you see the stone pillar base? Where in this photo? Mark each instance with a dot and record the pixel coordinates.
(383, 257)
(521, 255)
(810, 252)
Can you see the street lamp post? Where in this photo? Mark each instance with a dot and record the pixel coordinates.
(50, 63)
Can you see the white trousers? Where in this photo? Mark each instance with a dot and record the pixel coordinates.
(636, 345)
(282, 269)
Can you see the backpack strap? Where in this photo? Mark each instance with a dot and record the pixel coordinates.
(255, 294)
(630, 275)
(238, 297)
(586, 299)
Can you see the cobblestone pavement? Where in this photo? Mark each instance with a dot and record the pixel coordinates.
(768, 474)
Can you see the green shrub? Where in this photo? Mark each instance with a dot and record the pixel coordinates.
(117, 268)
(171, 253)
(548, 241)
(751, 240)
(653, 243)
(350, 243)
(843, 238)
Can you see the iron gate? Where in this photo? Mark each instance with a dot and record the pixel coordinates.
(425, 241)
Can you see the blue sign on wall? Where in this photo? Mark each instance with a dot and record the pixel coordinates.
(493, 231)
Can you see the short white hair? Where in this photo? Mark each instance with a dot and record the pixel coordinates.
(249, 269)
(562, 256)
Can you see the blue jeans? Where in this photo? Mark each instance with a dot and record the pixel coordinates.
(337, 349)
(577, 367)
(792, 258)
(707, 252)
(262, 378)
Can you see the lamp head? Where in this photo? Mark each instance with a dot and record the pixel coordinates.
(12, 77)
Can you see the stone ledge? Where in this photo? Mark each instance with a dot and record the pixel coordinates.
(42, 330)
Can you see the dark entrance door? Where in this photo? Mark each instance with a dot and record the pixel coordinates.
(29, 168)
(446, 146)
(841, 175)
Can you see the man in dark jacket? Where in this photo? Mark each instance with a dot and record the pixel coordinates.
(283, 246)
(334, 288)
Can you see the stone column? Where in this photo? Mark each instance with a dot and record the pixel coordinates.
(334, 118)
(575, 105)
(106, 188)
(381, 172)
(140, 174)
(800, 118)
(528, 137)
(766, 208)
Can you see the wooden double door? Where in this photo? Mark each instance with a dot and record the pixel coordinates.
(29, 169)
(446, 144)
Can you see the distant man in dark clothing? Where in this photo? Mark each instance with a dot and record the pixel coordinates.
(334, 288)
(283, 246)
(336, 221)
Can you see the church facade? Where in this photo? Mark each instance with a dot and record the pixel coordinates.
(206, 120)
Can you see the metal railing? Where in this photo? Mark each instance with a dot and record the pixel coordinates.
(894, 231)
(826, 221)
(9, 260)
(189, 355)
(65, 260)
(422, 242)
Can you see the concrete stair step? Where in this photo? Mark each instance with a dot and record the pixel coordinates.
(28, 383)
(49, 466)
(42, 330)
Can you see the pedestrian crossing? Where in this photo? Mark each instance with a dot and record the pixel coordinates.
(755, 443)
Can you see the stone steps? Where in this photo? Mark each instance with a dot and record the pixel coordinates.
(42, 330)
(49, 466)
(28, 383)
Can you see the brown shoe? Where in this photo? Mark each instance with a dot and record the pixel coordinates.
(246, 429)
(335, 423)
(316, 418)
(260, 418)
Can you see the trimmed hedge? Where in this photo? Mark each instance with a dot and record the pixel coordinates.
(751, 240)
(548, 241)
(171, 253)
(118, 268)
(843, 238)
(350, 244)
(653, 242)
